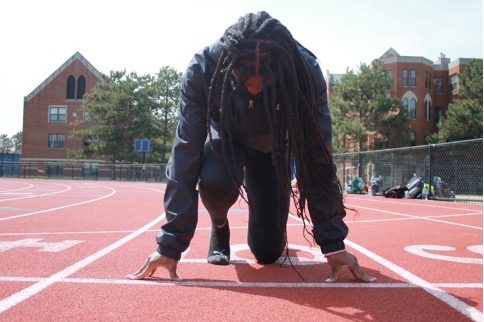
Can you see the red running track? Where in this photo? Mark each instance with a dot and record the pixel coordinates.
(65, 247)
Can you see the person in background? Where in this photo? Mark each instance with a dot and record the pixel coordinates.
(253, 106)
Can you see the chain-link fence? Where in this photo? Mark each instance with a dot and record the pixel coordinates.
(93, 170)
(457, 164)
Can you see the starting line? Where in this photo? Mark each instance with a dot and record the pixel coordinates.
(187, 282)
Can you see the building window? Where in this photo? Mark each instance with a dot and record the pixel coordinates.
(56, 141)
(405, 78)
(428, 80)
(453, 83)
(438, 85)
(413, 108)
(57, 114)
(81, 87)
(413, 77)
(71, 87)
(413, 138)
(85, 113)
(427, 111)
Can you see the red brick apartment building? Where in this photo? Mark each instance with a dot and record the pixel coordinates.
(425, 88)
(50, 110)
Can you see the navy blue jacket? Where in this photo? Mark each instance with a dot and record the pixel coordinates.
(181, 196)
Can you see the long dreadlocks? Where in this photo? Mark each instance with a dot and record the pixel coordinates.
(258, 43)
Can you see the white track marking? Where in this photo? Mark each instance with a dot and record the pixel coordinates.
(231, 227)
(426, 204)
(415, 281)
(62, 207)
(43, 194)
(417, 217)
(29, 185)
(430, 288)
(53, 247)
(159, 282)
(30, 291)
(421, 250)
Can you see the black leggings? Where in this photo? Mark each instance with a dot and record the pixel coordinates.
(267, 225)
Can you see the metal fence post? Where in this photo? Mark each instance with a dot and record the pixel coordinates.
(431, 161)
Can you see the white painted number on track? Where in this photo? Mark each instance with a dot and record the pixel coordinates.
(54, 247)
(422, 250)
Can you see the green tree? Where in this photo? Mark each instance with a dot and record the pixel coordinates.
(364, 112)
(117, 111)
(5, 143)
(17, 142)
(166, 93)
(125, 107)
(11, 144)
(463, 119)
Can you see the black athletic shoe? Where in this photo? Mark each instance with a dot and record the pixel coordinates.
(219, 250)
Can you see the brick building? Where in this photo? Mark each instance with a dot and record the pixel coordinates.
(50, 110)
(424, 87)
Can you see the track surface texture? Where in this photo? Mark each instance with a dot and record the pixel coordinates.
(66, 246)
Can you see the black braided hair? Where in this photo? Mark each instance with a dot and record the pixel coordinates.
(290, 102)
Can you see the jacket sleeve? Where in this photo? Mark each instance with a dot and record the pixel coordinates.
(182, 172)
(326, 205)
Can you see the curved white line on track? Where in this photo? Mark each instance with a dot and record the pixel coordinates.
(29, 185)
(42, 195)
(30, 291)
(62, 207)
(422, 250)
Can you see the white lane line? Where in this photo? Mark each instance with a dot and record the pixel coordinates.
(231, 227)
(160, 282)
(43, 194)
(448, 299)
(62, 207)
(26, 293)
(427, 204)
(417, 217)
(430, 288)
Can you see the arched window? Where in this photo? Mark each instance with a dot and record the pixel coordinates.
(427, 110)
(81, 87)
(70, 88)
(413, 108)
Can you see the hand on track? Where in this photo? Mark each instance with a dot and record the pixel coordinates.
(152, 263)
(338, 260)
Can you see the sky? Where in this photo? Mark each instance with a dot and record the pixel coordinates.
(142, 36)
